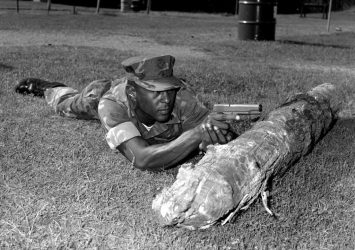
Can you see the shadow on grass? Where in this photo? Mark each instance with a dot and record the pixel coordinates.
(325, 165)
(333, 140)
(108, 14)
(4, 67)
(314, 44)
(338, 40)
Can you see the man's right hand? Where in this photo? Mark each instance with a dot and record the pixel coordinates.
(214, 131)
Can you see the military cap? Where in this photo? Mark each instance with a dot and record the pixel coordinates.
(153, 73)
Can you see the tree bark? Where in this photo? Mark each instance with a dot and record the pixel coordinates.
(98, 7)
(149, 5)
(231, 176)
(49, 3)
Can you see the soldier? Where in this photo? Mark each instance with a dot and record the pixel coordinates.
(151, 117)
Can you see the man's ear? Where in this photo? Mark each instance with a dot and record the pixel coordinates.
(132, 95)
(131, 92)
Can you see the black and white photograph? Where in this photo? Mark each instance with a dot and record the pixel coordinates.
(190, 124)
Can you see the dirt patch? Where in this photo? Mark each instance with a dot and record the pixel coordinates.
(120, 42)
(316, 67)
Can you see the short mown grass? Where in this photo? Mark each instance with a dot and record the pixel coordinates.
(62, 187)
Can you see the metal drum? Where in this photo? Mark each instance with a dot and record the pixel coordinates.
(256, 20)
(125, 5)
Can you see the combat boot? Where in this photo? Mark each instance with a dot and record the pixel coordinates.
(35, 86)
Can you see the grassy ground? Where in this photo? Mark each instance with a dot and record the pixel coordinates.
(62, 187)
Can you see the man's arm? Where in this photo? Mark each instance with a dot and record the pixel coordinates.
(161, 156)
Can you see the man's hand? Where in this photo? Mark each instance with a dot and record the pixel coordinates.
(214, 131)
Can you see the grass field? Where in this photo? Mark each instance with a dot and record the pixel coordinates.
(61, 187)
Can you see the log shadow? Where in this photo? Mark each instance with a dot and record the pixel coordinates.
(312, 189)
(321, 169)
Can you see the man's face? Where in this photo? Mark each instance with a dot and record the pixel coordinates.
(154, 106)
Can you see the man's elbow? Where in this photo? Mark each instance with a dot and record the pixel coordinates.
(147, 165)
(140, 165)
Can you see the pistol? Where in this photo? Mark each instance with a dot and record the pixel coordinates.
(237, 111)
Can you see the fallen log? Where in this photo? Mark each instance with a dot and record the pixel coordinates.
(230, 177)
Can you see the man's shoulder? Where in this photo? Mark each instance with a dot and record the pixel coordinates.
(119, 81)
(117, 92)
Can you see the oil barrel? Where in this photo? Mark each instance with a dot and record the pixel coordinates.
(256, 20)
(125, 5)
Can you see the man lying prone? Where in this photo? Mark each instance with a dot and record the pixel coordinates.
(153, 118)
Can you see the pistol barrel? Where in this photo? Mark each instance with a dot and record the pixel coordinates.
(238, 108)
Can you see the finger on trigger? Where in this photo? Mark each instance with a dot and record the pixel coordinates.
(220, 125)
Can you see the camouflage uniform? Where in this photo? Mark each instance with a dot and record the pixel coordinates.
(107, 100)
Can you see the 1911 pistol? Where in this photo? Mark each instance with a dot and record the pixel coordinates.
(237, 111)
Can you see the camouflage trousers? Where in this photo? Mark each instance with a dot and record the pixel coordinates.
(68, 102)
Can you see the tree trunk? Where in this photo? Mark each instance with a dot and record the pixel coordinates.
(98, 7)
(236, 12)
(49, 3)
(231, 176)
(149, 5)
(17, 6)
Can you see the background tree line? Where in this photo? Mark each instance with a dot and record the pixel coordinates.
(208, 6)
